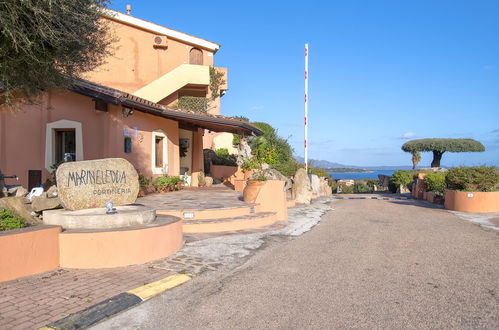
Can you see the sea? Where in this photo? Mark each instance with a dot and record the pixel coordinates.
(361, 175)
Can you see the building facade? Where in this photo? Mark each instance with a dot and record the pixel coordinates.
(150, 103)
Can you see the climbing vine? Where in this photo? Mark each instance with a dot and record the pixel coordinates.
(216, 80)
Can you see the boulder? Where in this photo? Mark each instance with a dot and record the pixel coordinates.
(208, 180)
(19, 207)
(17, 191)
(315, 183)
(401, 189)
(21, 192)
(384, 180)
(325, 189)
(52, 192)
(92, 183)
(41, 203)
(301, 191)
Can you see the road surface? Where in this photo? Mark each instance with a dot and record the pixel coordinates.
(368, 264)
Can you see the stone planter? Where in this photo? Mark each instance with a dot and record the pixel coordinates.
(430, 196)
(472, 201)
(250, 192)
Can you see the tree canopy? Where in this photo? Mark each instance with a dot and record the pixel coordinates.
(46, 44)
(439, 146)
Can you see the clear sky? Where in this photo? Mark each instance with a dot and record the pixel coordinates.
(381, 71)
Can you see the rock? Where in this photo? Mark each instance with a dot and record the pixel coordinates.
(302, 192)
(208, 181)
(17, 191)
(326, 189)
(272, 174)
(21, 192)
(315, 184)
(52, 192)
(92, 183)
(19, 207)
(41, 203)
(402, 190)
(384, 180)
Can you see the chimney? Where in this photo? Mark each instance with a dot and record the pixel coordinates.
(128, 9)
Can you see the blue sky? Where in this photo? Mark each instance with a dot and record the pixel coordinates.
(381, 72)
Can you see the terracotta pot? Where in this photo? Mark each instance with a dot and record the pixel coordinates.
(251, 190)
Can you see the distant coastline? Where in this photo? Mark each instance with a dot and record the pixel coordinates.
(348, 170)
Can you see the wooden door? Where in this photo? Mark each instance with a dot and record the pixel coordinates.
(196, 56)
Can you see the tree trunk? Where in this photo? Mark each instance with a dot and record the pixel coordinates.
(437, 156)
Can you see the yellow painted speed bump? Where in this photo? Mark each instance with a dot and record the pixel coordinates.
(152, 289)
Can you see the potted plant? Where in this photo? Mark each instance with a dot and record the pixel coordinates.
(201, 179)
(144, 184)
(253, 186)
(472, 189)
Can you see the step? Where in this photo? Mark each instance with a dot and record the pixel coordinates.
(249, 221)
(210, 214)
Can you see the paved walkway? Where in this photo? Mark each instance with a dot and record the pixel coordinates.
(368, 264)
(34, 301)
(195, 198)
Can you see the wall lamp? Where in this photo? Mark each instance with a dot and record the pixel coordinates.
(126, 111)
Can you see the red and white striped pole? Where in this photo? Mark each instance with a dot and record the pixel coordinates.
(306, 109)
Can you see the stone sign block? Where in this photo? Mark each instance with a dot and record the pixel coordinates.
(92, 183)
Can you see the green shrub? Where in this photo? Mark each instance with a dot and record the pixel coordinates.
(288, 168)
(224, 158)
(402, 177)
(476, 178)
(144, 182)
(9, 221)
(346, 189)
(334, 186)
(371, 183)
(167, 183)
(360, 187)
(435, 182)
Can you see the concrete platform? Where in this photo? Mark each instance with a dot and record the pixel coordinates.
(126, 216)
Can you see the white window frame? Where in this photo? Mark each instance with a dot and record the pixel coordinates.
(50, 140)
(164, 169)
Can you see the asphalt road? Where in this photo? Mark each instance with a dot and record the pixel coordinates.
(368, 264)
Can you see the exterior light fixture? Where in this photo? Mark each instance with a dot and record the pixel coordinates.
(126, 112)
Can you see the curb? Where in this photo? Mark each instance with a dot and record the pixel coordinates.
(112, 306)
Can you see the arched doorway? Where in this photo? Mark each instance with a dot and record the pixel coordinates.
(196, 56)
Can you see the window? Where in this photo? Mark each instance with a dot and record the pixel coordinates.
(159, 156)
(196, 56)
(65, 145)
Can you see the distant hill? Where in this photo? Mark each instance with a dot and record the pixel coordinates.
(326, 164)
(329, 165)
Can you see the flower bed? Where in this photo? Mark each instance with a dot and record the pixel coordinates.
(472, 201)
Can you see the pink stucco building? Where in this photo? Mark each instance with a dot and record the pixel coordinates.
(127, 108)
